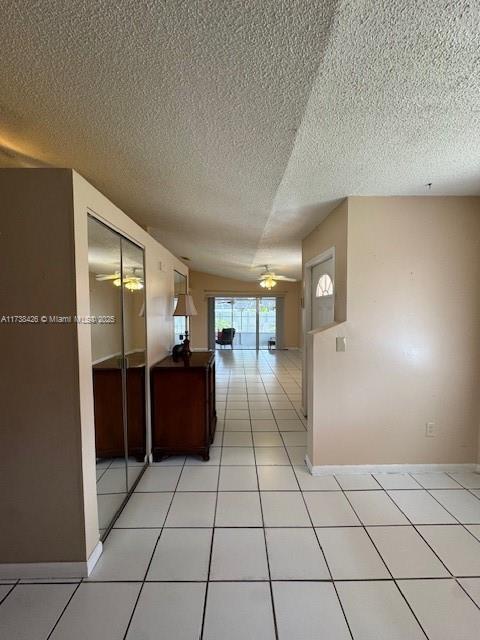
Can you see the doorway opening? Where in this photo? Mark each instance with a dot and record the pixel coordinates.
(241, 322)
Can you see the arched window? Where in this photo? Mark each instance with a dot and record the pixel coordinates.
(324, 286)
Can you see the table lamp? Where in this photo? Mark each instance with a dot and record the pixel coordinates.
(185, 307)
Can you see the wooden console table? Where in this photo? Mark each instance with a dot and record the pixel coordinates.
(183, 406)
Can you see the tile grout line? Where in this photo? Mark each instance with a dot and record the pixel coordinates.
(152, 555)
(63, 610)
(292, 491)
(104, 471)
(415, 527)
(448, 524)
(462, 524)
(384, 562)
(456, 578)
(202, 581)
(272, 600)
(205, 597)
(332, 581)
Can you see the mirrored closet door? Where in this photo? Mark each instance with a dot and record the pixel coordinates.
(134, 347)
(117, 305)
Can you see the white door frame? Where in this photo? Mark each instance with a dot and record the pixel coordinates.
(307, 315)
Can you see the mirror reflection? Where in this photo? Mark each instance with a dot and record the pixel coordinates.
(117, 303)
(135, 356)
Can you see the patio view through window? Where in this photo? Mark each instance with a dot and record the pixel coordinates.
(254, 321)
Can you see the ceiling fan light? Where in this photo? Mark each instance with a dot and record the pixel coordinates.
(268, 282)
(134, 285)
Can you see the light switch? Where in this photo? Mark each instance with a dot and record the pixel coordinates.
(341, 343)
(430, 430)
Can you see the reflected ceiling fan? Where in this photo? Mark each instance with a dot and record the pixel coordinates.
(268, 279)
(131, 282)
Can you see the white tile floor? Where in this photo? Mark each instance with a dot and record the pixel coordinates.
(111, 486)
(251, 546)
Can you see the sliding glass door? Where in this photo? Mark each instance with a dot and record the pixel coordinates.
(245, 322)
(267, 323)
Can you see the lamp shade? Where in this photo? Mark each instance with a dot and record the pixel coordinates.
(185, 305)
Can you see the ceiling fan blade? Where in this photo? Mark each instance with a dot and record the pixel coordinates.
(284, 279)
(103, 276)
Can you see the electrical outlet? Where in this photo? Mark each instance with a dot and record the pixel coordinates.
(430, 430)
(341, 343)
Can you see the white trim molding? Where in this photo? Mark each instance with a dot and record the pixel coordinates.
(237, 349)
(331, 469)
(94, 558)
(51, 570)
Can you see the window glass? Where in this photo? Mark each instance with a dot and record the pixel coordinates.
(324, 286)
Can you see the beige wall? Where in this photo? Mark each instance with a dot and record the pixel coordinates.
(332, 232)
(202, 285)
(413, 338)
(41, 495)
(48, 503)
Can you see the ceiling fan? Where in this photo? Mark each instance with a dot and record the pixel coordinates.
(268, 279)
(132, 283)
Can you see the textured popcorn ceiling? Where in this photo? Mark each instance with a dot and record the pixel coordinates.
(231, 128)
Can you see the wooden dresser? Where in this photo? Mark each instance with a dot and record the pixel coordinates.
(183, 406)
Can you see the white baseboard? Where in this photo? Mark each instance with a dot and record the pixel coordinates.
(227, 348)
(330, 469)
(47, 570)
(94, 557)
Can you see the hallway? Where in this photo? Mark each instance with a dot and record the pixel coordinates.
(250, 546)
